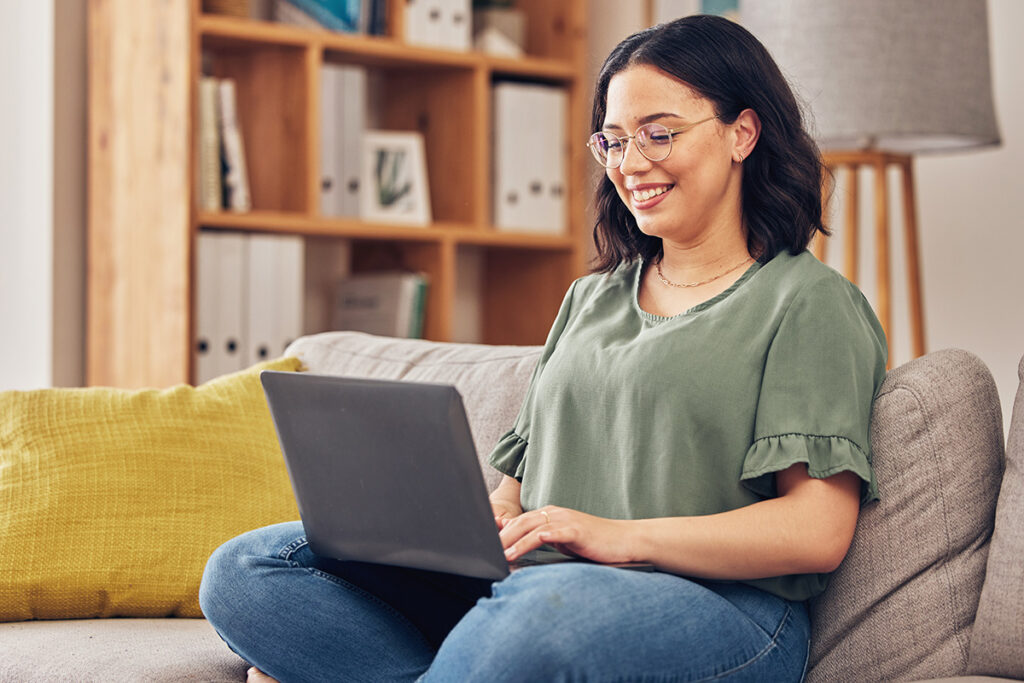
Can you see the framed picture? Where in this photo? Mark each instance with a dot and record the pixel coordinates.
(395, 178)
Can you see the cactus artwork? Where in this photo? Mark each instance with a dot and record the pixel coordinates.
(395, 178)
(392, 173)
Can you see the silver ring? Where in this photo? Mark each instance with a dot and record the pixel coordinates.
(546, 516)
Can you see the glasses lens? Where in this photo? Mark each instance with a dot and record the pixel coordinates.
(606, 148)
(654, 141)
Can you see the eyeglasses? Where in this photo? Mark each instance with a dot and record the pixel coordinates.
(652, 139)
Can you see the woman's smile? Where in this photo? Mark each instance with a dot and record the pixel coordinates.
(648, 195)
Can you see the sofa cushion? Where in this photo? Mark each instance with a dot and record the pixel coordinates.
(112, 500)
(997, 644)
(901, 605)
(491, 379)
(116, 651)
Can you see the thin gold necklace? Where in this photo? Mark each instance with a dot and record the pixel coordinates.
(668, 282)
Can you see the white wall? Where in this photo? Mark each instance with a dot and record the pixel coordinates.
(26, 188)
(970, 211)
(972, 225)
(42, 190)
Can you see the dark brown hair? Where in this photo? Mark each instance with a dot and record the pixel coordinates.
(782, 177)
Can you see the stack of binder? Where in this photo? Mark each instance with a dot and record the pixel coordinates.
(249, 300)
(530, 157)
(343, 115)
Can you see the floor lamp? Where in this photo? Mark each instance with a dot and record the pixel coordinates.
(883, 81)
(879, 163)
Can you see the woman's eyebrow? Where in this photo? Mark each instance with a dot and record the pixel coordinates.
(646, 119)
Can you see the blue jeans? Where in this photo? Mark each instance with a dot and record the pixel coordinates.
(301, 617)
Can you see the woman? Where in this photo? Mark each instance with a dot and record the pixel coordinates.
(701, 405)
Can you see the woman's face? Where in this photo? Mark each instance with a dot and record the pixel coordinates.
(696, 189)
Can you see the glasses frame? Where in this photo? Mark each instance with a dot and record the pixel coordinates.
(624, 140)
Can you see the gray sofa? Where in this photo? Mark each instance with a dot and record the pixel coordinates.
(933, 586)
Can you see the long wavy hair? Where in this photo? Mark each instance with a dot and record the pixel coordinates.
(782, 177)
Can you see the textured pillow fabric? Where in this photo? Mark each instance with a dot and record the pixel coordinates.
(112, 500)
(901, 605)
(491, 379)
(997, 644)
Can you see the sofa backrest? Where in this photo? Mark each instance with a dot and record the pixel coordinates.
(902, 604)
(997, 644)
(491, 379)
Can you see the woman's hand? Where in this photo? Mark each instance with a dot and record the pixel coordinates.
(505, 501)
(504, 512)
(570, 532)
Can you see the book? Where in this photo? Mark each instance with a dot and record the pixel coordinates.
(287, 13)
(236, 177)
(378, 20)
(390, 304)
(348, 16)
(210, 191)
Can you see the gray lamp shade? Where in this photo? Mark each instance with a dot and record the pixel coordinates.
(895, 75)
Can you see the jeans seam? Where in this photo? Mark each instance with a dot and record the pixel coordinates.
(771, 646)
(351, 587)
(290, 549)
(768, 648)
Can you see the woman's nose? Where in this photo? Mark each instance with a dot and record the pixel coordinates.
(633, 161)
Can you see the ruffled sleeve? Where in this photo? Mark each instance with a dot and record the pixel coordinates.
(509, 455)
(822, 372)
(824, 456)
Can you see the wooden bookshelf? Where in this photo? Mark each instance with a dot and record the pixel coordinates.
(144, 69)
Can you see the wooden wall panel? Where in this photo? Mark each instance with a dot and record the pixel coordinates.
(140, 161)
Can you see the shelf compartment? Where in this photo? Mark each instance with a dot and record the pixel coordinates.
(271, 84)
(436, 261)
(522, 290)
(442, 105)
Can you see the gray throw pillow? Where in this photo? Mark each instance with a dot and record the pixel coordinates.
(901, 605)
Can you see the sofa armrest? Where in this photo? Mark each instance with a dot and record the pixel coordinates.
(997, 643)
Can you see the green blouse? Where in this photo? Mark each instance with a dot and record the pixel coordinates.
(631, 415)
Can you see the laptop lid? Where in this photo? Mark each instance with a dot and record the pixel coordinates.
(386, 472)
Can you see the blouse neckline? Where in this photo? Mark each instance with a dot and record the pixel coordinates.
(651, 317)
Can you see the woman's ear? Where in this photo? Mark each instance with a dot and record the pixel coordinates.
(747, 130)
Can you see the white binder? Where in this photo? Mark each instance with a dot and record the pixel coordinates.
(529, 158)
(509, 138)
(274, 302)
(456, 24)
(342, 125)
(353, 130)
(290, 317)
(331, 152)
(554, 214)
(220, 304)
(207, 307)
(415, 22)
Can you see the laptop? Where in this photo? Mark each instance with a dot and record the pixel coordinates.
(386, 472)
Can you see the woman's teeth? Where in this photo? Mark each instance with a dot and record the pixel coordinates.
(644, 195)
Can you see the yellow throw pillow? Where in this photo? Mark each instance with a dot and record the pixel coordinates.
(112, 500)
